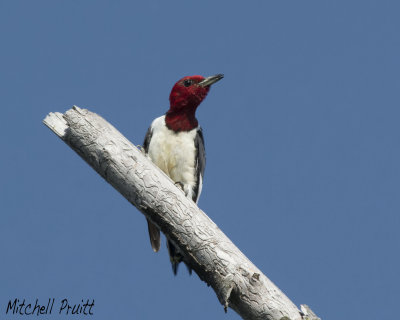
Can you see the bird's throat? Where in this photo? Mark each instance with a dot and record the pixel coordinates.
(180, 120)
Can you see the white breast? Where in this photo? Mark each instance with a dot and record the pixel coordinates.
(174, 153)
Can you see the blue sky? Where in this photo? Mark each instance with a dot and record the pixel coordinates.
(302, 139)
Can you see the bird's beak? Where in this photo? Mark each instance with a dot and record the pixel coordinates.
(210, 80)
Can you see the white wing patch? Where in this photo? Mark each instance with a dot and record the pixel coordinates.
(200, 187)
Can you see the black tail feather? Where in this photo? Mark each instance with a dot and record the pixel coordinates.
(189, 268)
(175, 266)
(174, 256)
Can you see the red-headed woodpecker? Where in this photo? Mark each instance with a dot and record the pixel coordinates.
(174, 142)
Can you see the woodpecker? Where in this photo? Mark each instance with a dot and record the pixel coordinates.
(174, 142)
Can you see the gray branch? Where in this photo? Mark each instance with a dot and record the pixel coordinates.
(238, 283)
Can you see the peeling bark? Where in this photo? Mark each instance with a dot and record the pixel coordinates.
(238, 283)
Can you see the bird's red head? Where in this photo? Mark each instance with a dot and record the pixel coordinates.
(185, 97)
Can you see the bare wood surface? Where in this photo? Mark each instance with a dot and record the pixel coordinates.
(238, 283)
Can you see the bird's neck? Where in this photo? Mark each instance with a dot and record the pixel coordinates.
(181, 120)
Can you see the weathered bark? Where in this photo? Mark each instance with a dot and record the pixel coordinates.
(237, 282)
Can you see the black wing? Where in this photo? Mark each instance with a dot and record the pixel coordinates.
(200, 164)
(147, 139)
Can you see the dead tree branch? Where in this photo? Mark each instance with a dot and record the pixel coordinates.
(237, 282)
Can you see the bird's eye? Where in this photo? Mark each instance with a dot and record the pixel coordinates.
(187, 82)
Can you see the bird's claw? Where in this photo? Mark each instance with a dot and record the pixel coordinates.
(179, 185)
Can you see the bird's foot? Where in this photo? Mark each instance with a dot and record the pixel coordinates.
(179, 185)
(141, 148)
